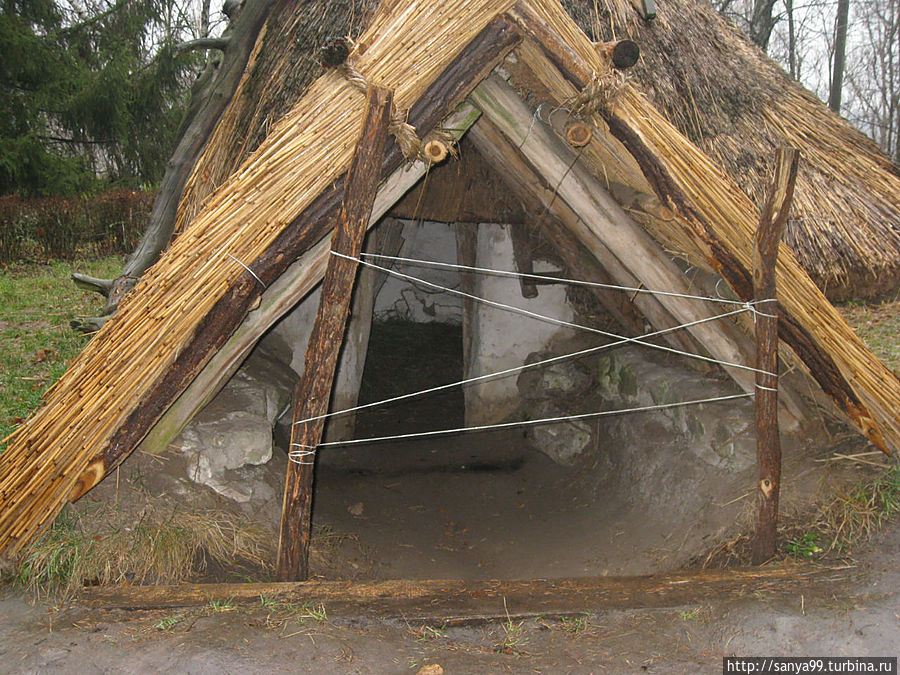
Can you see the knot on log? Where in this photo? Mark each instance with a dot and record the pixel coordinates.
(598, 95)
(403, 131)
(767, 486)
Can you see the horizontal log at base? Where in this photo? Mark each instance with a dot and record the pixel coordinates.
(449, 601)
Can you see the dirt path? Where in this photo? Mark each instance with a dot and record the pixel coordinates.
(858, 618)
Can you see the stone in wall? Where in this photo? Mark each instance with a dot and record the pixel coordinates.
(234, 430)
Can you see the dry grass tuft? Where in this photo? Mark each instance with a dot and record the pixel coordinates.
(100, 547)
(832, 529)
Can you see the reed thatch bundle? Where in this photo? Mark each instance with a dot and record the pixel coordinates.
(718, 89)
(302, 156)
(407, 46)
(734, 103)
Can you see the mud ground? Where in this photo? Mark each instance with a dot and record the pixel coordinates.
(860, 617)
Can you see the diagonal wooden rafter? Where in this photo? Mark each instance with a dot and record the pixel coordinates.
(605, 223)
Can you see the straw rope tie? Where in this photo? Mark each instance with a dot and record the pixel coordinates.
(598, 94)
(403, 131)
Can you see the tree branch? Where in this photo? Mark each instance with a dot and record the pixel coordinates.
(219, 43)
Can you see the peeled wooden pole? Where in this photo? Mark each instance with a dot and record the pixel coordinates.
(314, 390)
(768, 447)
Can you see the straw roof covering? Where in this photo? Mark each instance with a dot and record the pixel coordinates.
(408, 45)
(718, 89)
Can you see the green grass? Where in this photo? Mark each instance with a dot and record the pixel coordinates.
(878, 324)
(36, 304)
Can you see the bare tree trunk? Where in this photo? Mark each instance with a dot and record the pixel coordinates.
(840, 53)
(762, 23)
(792, 40)
(210, 95)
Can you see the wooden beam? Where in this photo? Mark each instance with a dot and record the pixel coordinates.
(597, 263)
(485, 51)
(457, 601)
(794, 329)
(768, 446)
(314, 389)
(605, 221)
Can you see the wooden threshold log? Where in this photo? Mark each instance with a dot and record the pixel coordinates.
(768, 445)
(313, 392)
(457, 601)
(450, 89)
(605, 221)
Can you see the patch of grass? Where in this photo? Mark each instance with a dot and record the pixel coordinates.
(833, 528)
(221, 605)
(878, 324)
(512, 638)
(805, 545)
(36, 304)
(101, 547)
(575, 625)
(169, 622)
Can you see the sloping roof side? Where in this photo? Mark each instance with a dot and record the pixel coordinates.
(719, 90)
(737, 105)
(301, 158)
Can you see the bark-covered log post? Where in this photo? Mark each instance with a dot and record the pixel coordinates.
(768, 446)
(314, 389)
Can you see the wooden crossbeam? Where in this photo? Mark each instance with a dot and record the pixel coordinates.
(314, 389)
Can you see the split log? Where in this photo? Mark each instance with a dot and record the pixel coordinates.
(485, 51)
(314, 389)
(822, 361)
(606, 222)
(768, 446)
(469, 601)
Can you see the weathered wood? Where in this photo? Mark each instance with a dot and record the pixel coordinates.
(444, 95)
(820, 363)
(604, 220)
(457, 601)
(524, 259)
(556, 222)
(768, 446)
(314, 389)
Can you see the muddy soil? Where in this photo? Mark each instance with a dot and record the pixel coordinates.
(859, 617)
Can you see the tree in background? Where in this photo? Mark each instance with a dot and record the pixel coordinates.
(873, 73)
(847, 53)
(90, 93)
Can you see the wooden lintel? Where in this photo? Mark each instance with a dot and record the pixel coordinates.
(457, 601)
(313, 392)
(768, 445)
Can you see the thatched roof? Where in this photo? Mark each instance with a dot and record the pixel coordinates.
(279, 203)
(717, 88)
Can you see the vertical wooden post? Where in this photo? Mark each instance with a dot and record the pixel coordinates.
(768, 446)
(314, 389)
